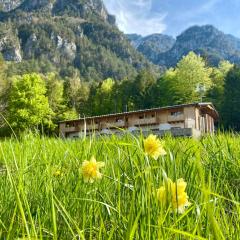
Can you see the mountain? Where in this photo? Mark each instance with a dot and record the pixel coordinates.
(151, 46)
(67, 34)
(206, 40)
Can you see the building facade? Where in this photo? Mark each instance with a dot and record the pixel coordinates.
(193, 119)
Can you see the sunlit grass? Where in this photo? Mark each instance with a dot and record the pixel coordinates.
(43, 194)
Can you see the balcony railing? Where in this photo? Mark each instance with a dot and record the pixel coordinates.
(69, 129)
(144, 121)
(91, 127)
(80, 128)
(119, 124)
(175, 118)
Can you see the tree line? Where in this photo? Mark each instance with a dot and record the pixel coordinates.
(39, 101)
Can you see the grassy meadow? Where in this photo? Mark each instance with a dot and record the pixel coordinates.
(43, 194)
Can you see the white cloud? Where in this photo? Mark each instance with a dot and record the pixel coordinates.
(199, 10)
(136, 16)
(209, 5)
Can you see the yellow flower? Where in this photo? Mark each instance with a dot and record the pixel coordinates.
(57, 173)
(90, 170)
(153, 146)
(175, 194)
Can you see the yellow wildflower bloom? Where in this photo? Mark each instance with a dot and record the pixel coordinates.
(175, 194)
(153, 147)
(90, 170)
(57, 173)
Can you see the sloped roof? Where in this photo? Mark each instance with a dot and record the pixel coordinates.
(201, 105)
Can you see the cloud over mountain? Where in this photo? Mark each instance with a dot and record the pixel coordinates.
(137, 16)
(172, 17)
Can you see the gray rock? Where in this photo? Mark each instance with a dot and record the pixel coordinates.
(10, 50)
(8, 5)
(65, 47)
(69, 49)
(13, 54)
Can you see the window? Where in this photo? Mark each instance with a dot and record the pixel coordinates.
(119, 120)
(176, 113)
(150, 116)
(68, 125)
(141, 117)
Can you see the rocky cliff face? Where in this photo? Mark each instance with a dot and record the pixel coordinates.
(9, 44)
(77, 33)
(86, 9)
(8, 5)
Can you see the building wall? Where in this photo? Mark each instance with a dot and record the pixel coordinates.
(162, 116)
(138, 119)
(197, 118)
(189, 117)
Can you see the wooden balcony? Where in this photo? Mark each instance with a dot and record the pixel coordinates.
(112, 125)
(69, 129)
(91, 127)
(79, 128)
(120, 124)
(144, 121)
(177, 118)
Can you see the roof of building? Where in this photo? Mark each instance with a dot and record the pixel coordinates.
(202, 104)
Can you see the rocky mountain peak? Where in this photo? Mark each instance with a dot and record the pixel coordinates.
(211, 43)
(208, 41)
(85, 9)
(200, 35)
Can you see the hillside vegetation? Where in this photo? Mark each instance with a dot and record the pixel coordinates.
(43, 194)
(40, 100)
(63, 34)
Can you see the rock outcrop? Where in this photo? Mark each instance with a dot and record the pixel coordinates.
(8, 5)
(9, 45)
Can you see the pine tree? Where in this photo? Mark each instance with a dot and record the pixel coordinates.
(231, 102)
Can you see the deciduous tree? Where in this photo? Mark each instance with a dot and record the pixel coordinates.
(28, 105)
(190, 80)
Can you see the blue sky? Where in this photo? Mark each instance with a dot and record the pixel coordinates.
(174, 16)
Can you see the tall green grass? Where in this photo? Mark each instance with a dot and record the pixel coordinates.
(35, 203)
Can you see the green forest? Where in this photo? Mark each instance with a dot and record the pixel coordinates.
(32, 100)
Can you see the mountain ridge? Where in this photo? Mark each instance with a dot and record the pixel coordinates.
(206, 40)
